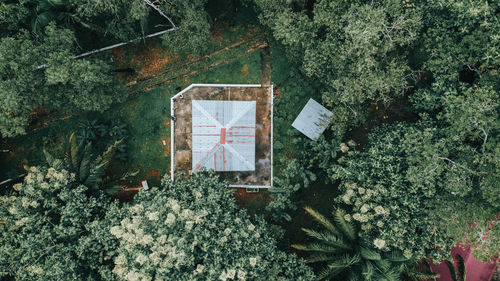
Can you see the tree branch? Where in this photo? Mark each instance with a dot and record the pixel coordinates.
(161, 12)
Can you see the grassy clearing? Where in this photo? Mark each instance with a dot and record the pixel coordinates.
(147, 115)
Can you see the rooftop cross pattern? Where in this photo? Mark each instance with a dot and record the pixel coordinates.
(223, 135)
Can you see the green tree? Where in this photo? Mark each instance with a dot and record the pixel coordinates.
(338, 246)
(129, 20)
(192, 230)
(460, 35)
(193, 26)
(464, 160)
(358, 55)
(42, 73)
(12, 17)
(416, 187)
(42, 224)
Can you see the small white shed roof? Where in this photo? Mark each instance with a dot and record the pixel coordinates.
(312, 120)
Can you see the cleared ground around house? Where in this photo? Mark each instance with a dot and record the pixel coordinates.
(147, 111)
(183, 130)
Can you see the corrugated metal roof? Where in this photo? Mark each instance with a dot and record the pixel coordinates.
(223, 135)
(312, 120)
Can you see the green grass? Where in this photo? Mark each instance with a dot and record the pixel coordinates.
(145, 115)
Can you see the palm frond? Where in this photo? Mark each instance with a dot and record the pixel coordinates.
(382, 265)
(338, 266)
(389, 275)
(129, 174)
(106, 157)
(453, 272)
(316, 247)
(321, 257)
(73, 155)
(368, 271)
(460, 267)
(327, 238)
(327, 273)
(416, 273)
(396, 256)
(345, 262)
(369, 254)
(95, 175)
(84, 169)
(322, 220)
(346, 227)
(49, 158)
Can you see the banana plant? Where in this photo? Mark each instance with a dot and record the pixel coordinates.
(89, 170)
(339, 247)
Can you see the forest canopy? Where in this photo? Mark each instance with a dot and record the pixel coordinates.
(407, 169)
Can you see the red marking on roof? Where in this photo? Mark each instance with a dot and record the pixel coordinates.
(223, 159)
(215, 162)
(223, 135)
(243, 127)
(198, 166)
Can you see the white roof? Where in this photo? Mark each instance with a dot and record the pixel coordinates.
(312, 120)
(223, 135)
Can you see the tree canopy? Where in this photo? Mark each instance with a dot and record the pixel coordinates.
(193, 230)
(42, 73)
(438, 58)
(39, 40)
(42, 225)
(358, 55)
(51, 229)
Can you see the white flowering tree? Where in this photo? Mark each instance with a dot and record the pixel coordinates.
(403, 189)
(193, 230)
(42, 224)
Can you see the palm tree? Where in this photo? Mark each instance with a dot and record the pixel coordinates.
(338, 246)
(51, 10)
(89, 171)
(59, 11)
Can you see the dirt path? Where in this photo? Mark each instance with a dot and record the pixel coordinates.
(160, 80)
(199, 59)
(265, 69)
(179, 72)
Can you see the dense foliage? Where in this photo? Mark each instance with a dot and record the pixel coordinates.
(51, 229)
(357, 55)
(39, 40)
(43, 224)
(436, 179)
(418, 185)
(41, 72)
(402, 188)
(193, 230)
(345, 256)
